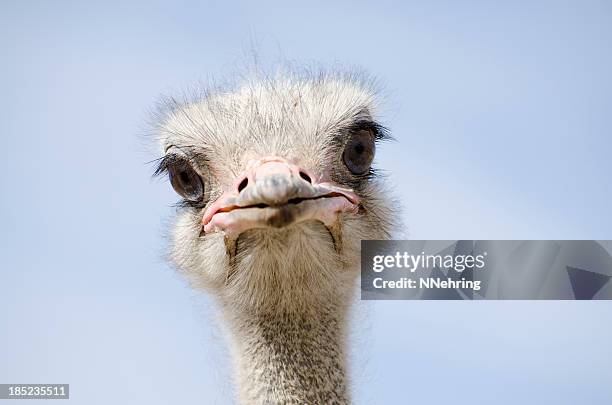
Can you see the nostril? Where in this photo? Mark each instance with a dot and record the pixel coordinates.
(243, 184)
(305, 177)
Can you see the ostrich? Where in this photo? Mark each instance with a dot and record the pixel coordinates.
(278, 190)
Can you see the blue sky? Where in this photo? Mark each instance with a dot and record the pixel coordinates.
(502, 114)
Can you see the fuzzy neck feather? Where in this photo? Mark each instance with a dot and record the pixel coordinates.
(286, 311)
(291, 358)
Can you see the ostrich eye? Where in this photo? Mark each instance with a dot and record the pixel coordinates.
(359, 152)
(186, 182)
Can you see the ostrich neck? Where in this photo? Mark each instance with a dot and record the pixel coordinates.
(291, 358)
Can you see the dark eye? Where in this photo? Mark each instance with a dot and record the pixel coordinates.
(359, 152)
(186, 182)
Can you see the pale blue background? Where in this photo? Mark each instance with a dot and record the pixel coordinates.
(503, 115)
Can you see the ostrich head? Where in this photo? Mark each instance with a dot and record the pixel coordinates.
(278, 190)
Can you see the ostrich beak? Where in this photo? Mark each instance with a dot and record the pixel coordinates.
(275, 194)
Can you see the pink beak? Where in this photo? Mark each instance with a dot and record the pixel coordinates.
(275, 193)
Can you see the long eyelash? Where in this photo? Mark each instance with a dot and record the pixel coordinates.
(190, 204)
(162, 165)
(357, 181)
(380, 132)
(164, 162)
